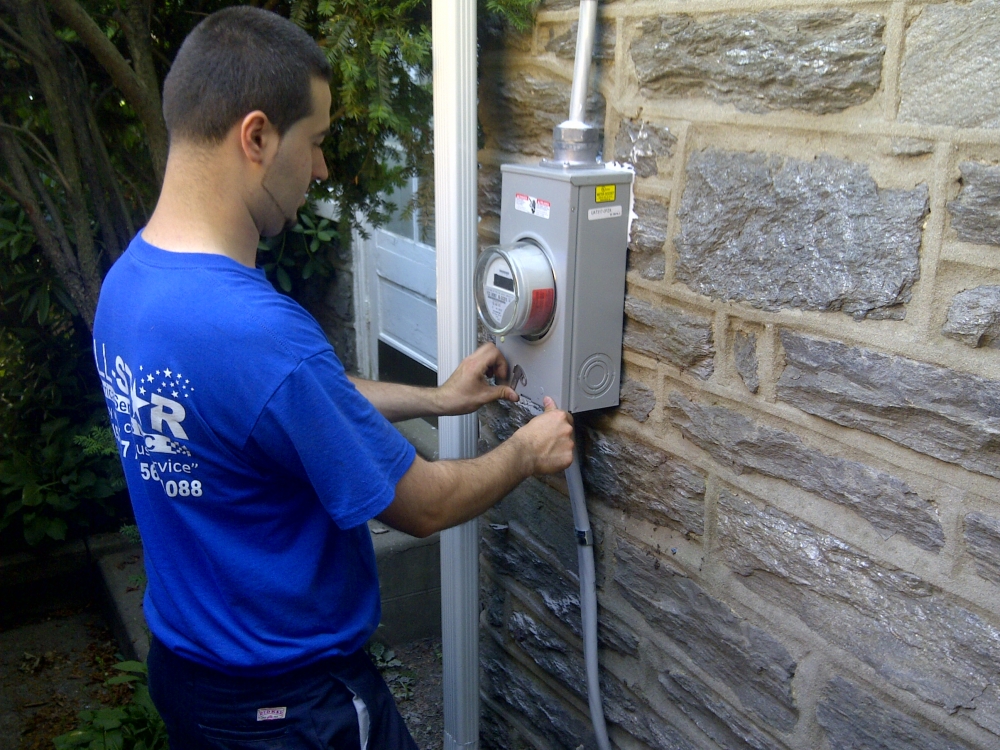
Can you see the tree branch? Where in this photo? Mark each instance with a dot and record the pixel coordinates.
(139, 90)
(45, 154)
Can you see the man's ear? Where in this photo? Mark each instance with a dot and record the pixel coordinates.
(257, 136)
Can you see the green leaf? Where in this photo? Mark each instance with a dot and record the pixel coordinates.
(137, 667)
(284, 281)
(56, 529)
(120, 679)
(31, 495)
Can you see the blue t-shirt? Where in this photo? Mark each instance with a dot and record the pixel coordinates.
(252, 461)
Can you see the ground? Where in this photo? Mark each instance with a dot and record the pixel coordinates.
(56, 651)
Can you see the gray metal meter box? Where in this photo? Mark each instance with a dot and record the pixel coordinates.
(579, 219)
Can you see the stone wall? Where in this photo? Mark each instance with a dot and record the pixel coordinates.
(797, 504)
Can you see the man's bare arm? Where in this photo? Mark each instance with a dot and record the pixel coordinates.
(437, 495)
(465, 391)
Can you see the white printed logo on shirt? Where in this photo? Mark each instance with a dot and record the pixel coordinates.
(147, 414)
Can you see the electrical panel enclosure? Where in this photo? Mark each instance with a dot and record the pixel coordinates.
(579, 218)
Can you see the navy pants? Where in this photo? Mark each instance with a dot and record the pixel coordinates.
(341, 703)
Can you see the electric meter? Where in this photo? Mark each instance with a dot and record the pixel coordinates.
(515, 290)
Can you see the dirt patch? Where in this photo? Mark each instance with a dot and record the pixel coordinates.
(52, 668)
(423, 712)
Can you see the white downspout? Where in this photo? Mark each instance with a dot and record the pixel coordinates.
(455, 189)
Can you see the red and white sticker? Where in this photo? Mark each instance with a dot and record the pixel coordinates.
(532, 205)
(270, 714)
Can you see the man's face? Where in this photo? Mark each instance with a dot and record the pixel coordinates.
(297, 162)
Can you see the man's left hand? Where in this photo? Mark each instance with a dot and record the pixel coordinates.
(468, 388)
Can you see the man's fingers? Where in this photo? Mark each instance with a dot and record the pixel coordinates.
(507, 393)
(548, 404)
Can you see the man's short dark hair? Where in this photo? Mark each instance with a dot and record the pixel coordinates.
(238, 60)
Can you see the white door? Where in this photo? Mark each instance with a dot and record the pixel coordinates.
(397, 289)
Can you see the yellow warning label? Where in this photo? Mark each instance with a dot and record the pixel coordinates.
(605, 193)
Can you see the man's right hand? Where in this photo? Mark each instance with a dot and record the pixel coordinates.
(547, 440)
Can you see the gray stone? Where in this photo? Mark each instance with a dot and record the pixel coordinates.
(541, 512)
(982, 540)
(777, 232)
(641, 143)
(745, 356)
(854, 719)
(974, 317)
(755, 666)
(950, 68)
(507, 684)
(817, 62)
(649, 232)
(728, 728)
(566, 664)
(950, 415)
(490, 191)
(340, 295)
(523, 108)
(645, 482)
(665, 332)
(911, 633)
(510, 556)
(605, 37)
(886, 502)
(975, 213)
(637, 399)
(900, 146)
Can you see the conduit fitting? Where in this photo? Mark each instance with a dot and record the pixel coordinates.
(575, 145)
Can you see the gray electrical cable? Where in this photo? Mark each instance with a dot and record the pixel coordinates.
(588, 599)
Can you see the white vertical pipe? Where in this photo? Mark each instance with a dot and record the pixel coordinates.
(455, 188)
(585, 31)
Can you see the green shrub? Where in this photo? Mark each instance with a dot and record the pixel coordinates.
(134, 726)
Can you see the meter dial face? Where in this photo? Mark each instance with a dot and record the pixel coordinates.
(499, 292)
(515, 290)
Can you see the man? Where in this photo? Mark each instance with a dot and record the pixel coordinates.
(252, 461)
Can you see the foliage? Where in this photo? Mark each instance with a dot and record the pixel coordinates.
(50, 400)
(135, 726)
(380, 51)
(399, 680)
(301, 253)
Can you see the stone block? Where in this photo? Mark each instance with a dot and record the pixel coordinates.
(566, 664)
(974, 317)
(886, 502)
(728, 728)
(510, 556)
(648, 233)
(962, 92)
(524, 108)
(490, 191)
(637, 399)
(950, 415)
(975, 213)
(817, 62)
(982, 541)
(853, 718)
(340, 295)
(776, 232)
(641, 143)
(745, 356)
(645, 482)
(668, 333)
(751, 662)
(605, 40)
(543, 513)
(508, 685)
(911, 633)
